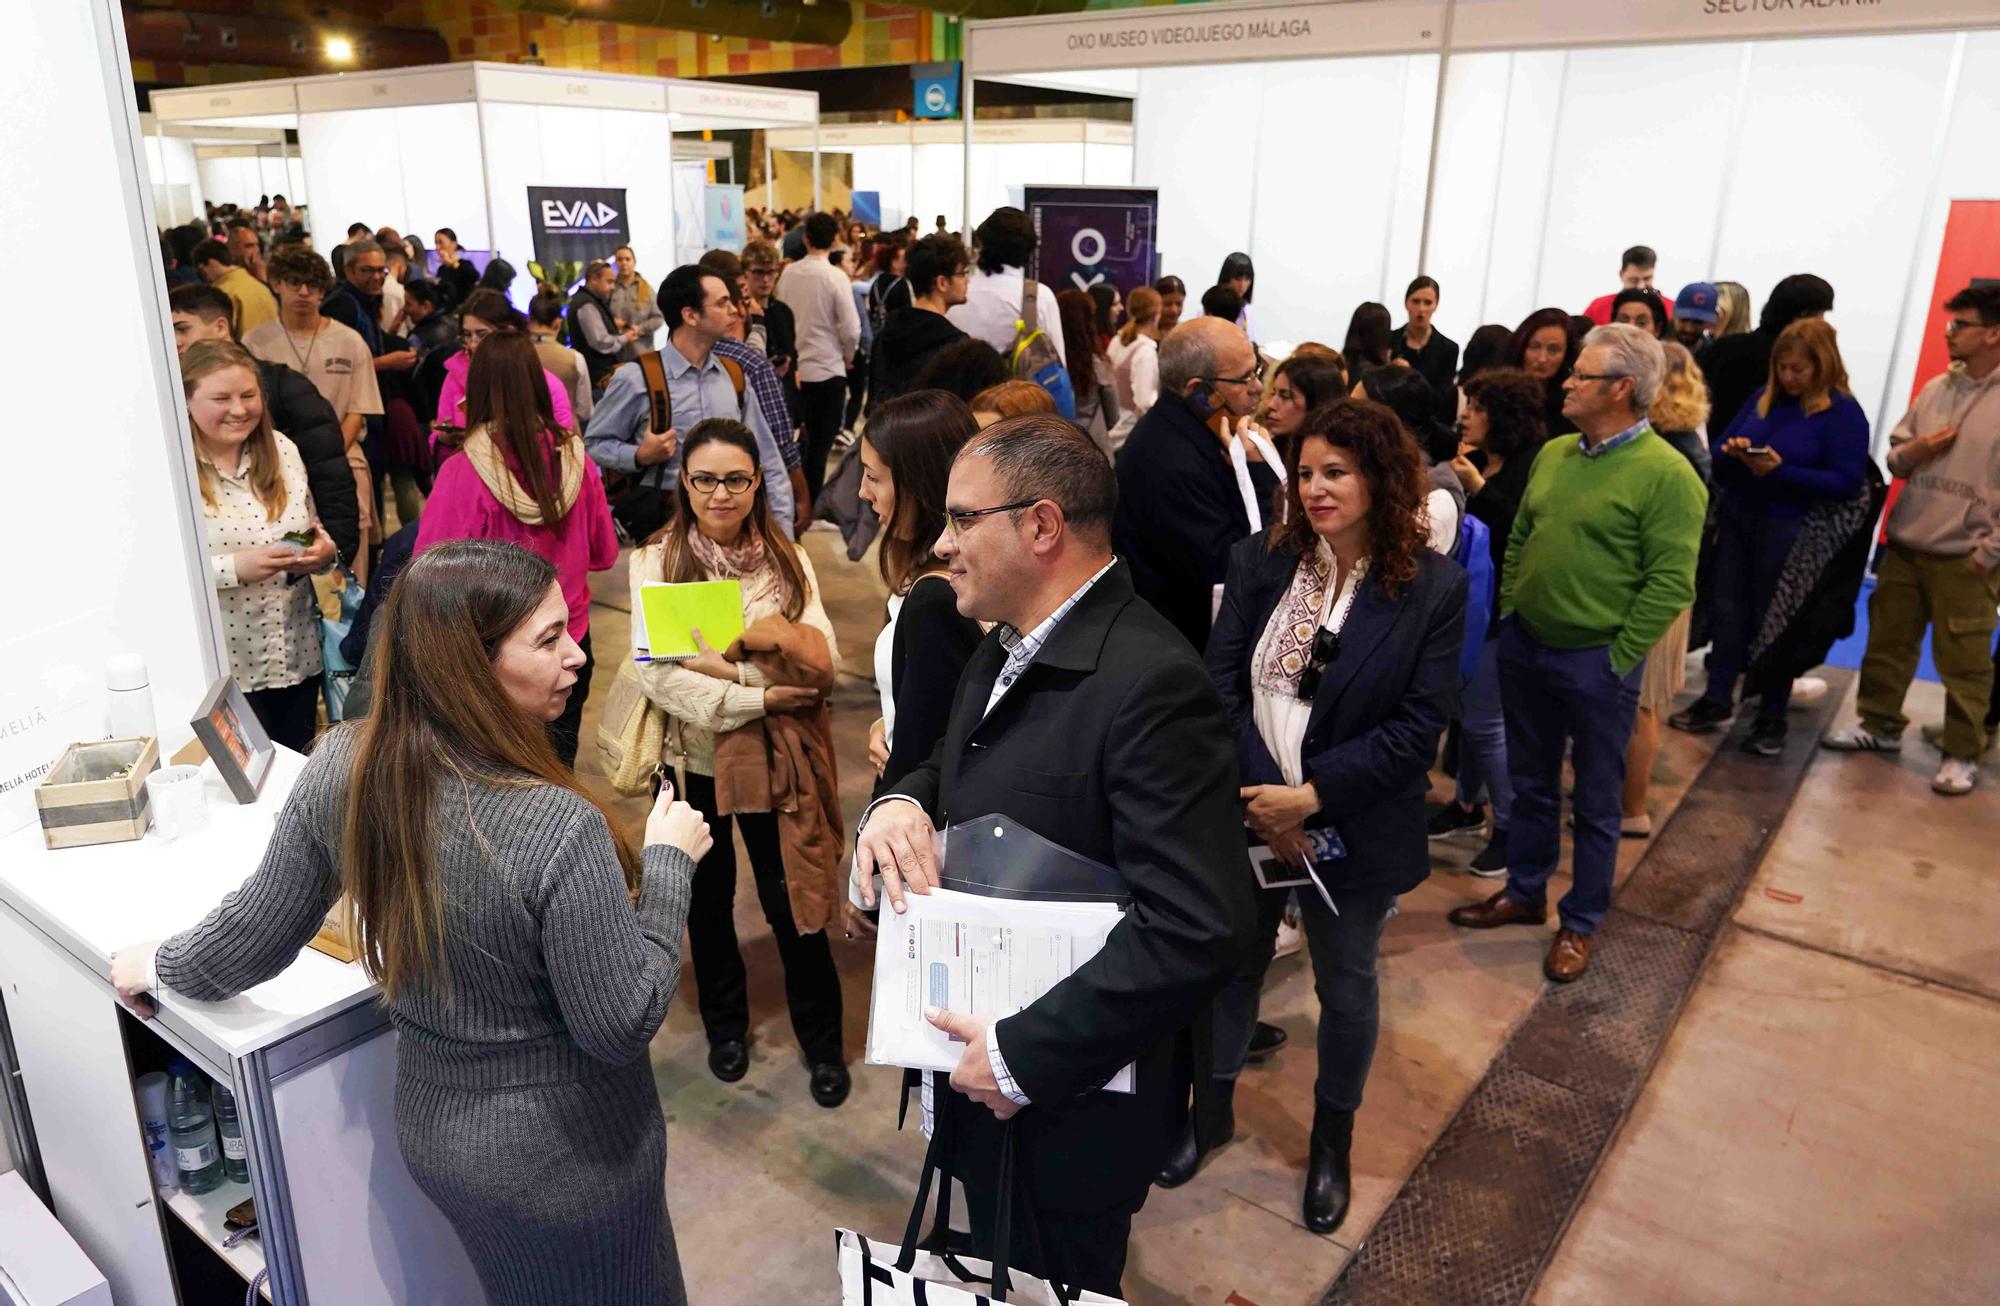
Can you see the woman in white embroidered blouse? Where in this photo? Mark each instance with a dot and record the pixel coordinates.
(264, 539)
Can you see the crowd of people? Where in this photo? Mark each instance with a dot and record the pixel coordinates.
(1169, 601)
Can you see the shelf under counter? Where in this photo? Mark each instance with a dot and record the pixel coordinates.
(203, 1215)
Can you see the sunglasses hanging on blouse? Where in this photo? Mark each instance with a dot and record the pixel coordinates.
(1326, 647)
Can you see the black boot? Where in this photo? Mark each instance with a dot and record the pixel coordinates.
(1328, 1181)
(1206, 1132)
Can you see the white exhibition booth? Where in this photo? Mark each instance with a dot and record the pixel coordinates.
(919, 168)
(1513, 148)
(224, 165)
(458, 145)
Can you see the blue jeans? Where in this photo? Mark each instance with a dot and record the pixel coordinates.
(1343, 950)
(1750, 555)
(1482, 740)
(1556, 697)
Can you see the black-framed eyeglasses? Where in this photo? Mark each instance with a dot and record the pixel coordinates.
(1256, 373)
(708, 483)
(1957, 324)
(1598, 376)
(958, 520)
(1326, 647)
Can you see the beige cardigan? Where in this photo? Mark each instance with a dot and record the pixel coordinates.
(700, 707)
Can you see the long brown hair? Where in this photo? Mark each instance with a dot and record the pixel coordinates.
(440, 714)
(506, 393)
(1812, 339)
(677, 561)
(1141, 306)
(267, 473)
(917, 435)
(1387, 456)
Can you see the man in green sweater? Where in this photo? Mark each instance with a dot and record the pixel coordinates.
(1599, 563)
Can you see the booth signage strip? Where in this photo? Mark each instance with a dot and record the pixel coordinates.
(1225, 33)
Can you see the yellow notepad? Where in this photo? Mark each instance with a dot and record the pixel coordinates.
(671, 613)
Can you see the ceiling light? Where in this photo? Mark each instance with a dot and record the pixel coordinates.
(339, 49)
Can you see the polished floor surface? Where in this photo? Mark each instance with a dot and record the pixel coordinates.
(1817, 1128)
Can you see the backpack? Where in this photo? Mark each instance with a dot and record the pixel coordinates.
(1474, 552)
(638, 509)
(1033, 356)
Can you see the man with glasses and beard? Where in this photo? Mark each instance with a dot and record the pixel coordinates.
(1191, 480)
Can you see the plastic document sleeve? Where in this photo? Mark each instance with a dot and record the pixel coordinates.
(979, 955)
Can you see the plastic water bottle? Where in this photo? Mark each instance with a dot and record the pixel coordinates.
(191, 1129)
(235, 1155)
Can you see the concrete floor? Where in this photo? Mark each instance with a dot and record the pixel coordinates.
(1828, 1015)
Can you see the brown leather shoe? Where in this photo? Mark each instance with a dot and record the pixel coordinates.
(1569, 956)
(1495, 911)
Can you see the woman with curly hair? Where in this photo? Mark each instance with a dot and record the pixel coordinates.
(1336, 655)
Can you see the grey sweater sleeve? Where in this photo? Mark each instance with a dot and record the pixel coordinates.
(258, 928)
(614, 966)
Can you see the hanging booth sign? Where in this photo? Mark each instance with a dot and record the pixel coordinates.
(1090, 234)
(934, 90)
(575, 224)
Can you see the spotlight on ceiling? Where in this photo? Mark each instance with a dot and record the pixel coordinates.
(339, 49)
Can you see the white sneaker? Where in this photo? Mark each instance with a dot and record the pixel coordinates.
(1859, 739)
(1955, 776)
(1808, 689)
(1290, 937)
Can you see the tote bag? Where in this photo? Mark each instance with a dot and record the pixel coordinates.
(882, 1274)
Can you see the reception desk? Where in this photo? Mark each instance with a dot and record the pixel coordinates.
(310, 1054)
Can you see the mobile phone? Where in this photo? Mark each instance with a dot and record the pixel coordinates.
(304, 539)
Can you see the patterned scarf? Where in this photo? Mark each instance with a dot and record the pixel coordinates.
(739, 561)
(1288, 646)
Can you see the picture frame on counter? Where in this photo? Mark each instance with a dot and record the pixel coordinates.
(234, 739)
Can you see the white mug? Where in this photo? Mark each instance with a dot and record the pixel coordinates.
(179, 800)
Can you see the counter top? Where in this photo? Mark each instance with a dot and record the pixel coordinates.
(94, 901)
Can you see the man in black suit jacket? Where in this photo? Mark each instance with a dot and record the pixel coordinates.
(1180, 506)
(1100, 731)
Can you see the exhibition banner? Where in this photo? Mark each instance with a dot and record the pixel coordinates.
(1088, 234)
(866, 208)
(575, 224)
(722, 210)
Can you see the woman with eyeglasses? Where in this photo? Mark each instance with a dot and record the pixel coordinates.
(722, 529)
(522, 476)
(486, 314)
(1336, 655)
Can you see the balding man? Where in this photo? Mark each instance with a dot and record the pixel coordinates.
(1188, 487)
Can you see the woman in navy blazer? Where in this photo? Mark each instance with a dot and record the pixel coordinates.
(1336, 655)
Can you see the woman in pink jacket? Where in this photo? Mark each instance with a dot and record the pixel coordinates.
(486, 314)
(521, 476)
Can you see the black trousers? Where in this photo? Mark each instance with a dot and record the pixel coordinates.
(1080, 1249)
(822, 404)
(812, 986)
(564, 730)
(289, 714)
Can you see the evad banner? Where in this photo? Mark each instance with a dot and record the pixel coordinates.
(575, 224)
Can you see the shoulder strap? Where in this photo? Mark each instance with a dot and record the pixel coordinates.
(1029, 291)
(659, 403)
(735, 370)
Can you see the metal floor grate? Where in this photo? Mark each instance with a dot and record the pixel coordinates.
(1488, 1203)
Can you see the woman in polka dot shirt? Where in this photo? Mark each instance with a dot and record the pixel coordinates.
(254, 496)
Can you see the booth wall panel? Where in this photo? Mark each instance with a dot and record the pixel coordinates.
(1633, 170)
(1835, 162)
(940, 184)
(1413, 157)
(1969, 168)
(1519, 205)
(1107, 165)
(690, 211)
(354, 171)
(232, 180)
(439, 167)
(134, 572)
(889, 171)
(1000, 171)
(1321, 233)
(1471, 139)
(636, 150)
(1189, 123)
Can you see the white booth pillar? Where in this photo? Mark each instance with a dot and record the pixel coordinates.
(102, 524)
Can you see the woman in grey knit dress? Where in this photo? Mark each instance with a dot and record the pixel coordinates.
(526, 954)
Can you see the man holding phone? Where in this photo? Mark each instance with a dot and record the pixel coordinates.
(1181, 503)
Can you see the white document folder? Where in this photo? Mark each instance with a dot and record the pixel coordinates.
(981, 956)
